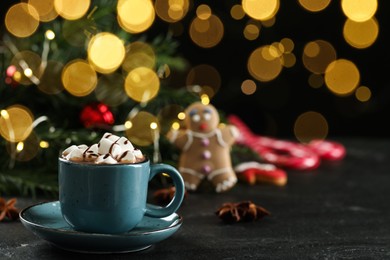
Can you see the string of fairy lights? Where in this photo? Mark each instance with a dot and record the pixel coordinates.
(132, 67)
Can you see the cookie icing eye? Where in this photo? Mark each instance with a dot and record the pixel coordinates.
(196, 118)
(207, 114)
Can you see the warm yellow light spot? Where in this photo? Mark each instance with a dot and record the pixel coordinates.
(44, 144)
(237, 12)
(175, 126)
(71, 9)
(142, 84)
(139, 54)
(205, 99)
(171, 11)
(251, 32)
(18, 77)
(289, 60)
(153, 125)
(248, 87)
(361, 34)
(181, 116)
(203, 12)
(363, 93)
(264, 68)
(316, 80)
(79, 78)
(314, 6)
(16, 123)
(26, 60)
(359, 10)
(205, 76)
(19, 147)
(135, 16)
(128, 124)
(22, 20)
(261, 9)
(288, 44)
(50, 81)
(317, 55)
(50, 35)
(269, 23)
(141, 134)
(28, 72)
(309, 126)
(45, 9)
(206, 33)
(342, 77)
(105, 52)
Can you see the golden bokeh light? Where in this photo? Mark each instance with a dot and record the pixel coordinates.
(237, 12)
(205, 76)
(248, 87)
(79, 78)
(140, 133)
(205, 99)
(269, 23)
(16, 123)
(251, 32)
(288, 60)
(27, 62)
(361, 34)
(50, 82)
(50, 35)
(169, 115)
(45, 9)
(316, 80)
(262, 65)
(22, 20)
(342, 77)
(139, 54)
(261, 9)
(142, 84)
(203, 12)
(105, 52)
(171, 11)
(288, 44)
(25, 150)
(206, 33)
(72, 9)
(314, 6)
(359, 10)
(363, 94)
(110, 90)
(135, 16)
(310, 126)
(317, 55)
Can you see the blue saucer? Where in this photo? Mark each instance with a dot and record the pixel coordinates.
(45, 221)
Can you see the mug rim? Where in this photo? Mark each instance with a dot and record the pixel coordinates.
(146, 160)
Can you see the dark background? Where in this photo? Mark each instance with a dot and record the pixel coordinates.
(272, 110)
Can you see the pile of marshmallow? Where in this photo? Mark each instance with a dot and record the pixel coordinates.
(111, 149)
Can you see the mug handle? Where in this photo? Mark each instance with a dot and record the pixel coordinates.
(160, 212)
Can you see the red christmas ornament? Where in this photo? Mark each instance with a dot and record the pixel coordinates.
(96, 115)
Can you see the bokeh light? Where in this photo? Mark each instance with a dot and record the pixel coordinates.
(205, 76)
(248, 87)
(203, 12)
(363, 94)
(105, 52)
(171, 11)
(314, 6)
(206, 33)
(50, 82)
(317, 55)
(79, 78)
(289, 60)
(139, 131)
(309, 126)
(142, 84)
(263, 65)
(26, 60)
(316, 80)
(288, 44)
(261, 9)
(342, 77)
(72, 9)
(135, 16)
(251, 31)
(139, 54)
(110, 91)
(25, 150)
(169, 115)
(359, 10)
(45, 9)
(22, 20)
(361, 34)
(237, 12)
(16, 123)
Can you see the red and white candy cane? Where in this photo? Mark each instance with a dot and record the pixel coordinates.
(285, 153)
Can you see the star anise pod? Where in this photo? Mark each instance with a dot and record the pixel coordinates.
(244, 211)
(164, 196)
(8, 209)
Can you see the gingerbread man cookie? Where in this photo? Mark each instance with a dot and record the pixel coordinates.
(205, 148)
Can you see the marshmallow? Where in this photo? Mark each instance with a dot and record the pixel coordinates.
(125, 144)
(138, 154)
(105, 159)
(107, 146)
(75, 155)
(68, 150)
(110, 137)
(127, 157)
(82, 147)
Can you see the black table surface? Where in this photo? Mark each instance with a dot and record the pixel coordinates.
(338, 211)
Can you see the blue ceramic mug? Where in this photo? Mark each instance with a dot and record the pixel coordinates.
(111, 198)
